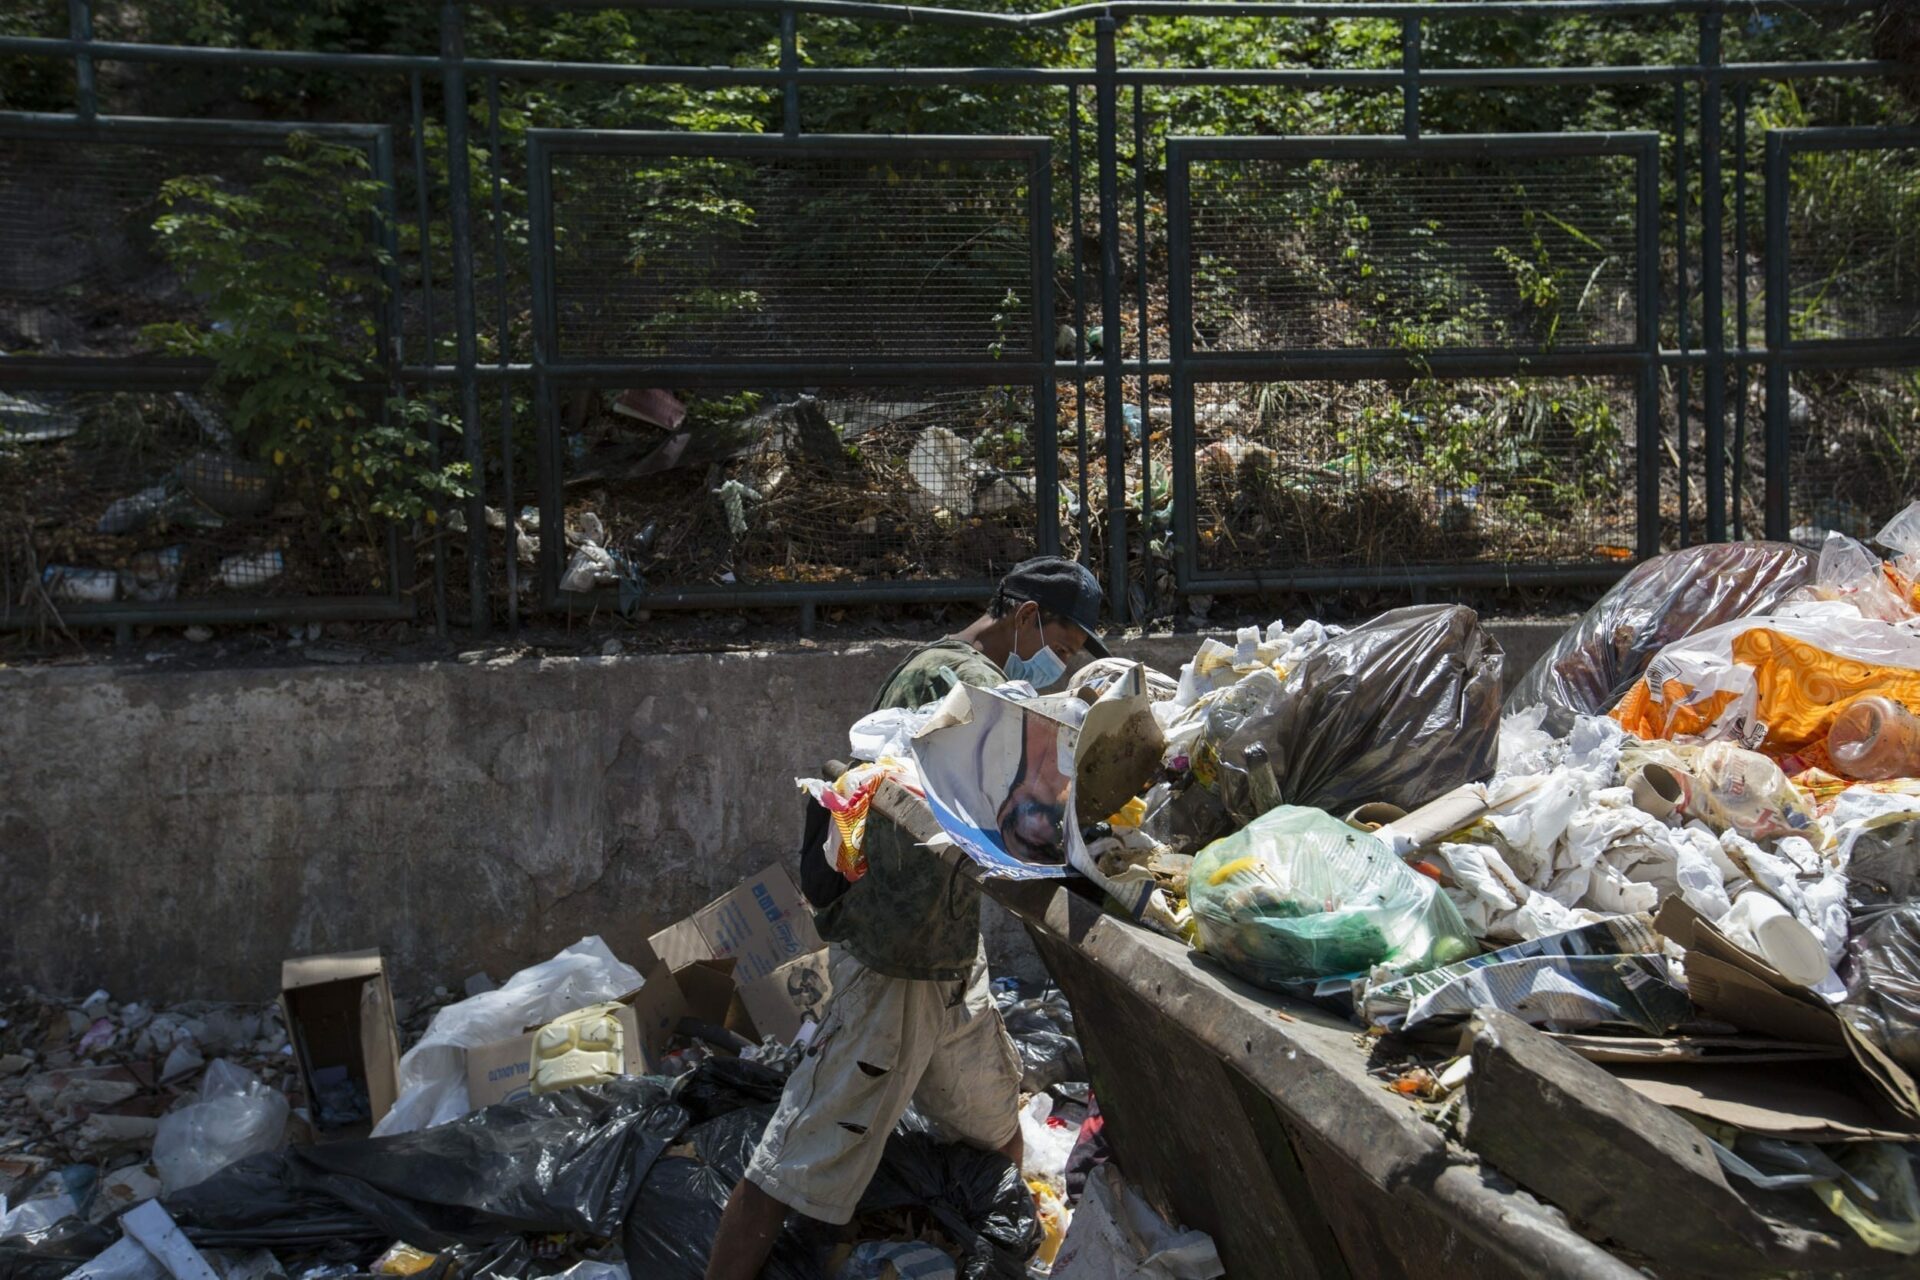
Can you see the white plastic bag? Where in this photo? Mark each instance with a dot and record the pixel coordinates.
(236, 1117)
(887, 732)
(1047, 1145)
(1116, 1235)
(433, 1074)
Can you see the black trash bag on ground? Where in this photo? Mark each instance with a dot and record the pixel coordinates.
(1661, 600)
(722, 1086)
(1883, 980)
(1402, 708)
(670, 1230)
(562, 1162)
(978, 1198)
(51, 1253)
(1042, 1031)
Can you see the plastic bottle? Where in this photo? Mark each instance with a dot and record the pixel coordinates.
(1875, 738)
(1265, 788)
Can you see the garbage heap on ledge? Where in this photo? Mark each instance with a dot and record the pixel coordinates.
(1674, 876)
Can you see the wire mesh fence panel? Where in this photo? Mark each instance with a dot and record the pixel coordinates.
(80, 266)
(1412, 252)
(761, 256)
(1853, 448)
(838, 485)
(1368, 474)
(1853, 229)
(98, 239)
(136, 499)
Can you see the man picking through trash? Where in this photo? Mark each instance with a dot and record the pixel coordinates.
(910, 1018)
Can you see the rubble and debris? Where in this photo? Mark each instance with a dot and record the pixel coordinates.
(252, 569)
(652, 406)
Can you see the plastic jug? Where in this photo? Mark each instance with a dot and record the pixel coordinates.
(582, 1047)
(1875, 738)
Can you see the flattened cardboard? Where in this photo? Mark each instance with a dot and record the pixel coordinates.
(780, 1003)
(1806, 1104)
(338, 1010)
(761, 923)
(1651, 1050)
(1749, 1007)
(503, 1071)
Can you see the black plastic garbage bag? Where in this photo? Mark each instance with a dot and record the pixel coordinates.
(1403, 708)
(52, 1252)
(978, 1197)
(723, 1086)
(1883, 869)
(1883, 980)
(1042, 1031)
(673, 1222)
(1661, 600)
(568, 1161)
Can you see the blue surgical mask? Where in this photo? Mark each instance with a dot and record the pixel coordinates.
(1041, 671)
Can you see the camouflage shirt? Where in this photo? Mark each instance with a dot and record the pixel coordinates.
(910, 916)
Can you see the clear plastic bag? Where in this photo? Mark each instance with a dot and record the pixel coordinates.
(1660, 601)
(1848, 572)
(1734, 789)
(433, 1074)
(1773, 684)
(236, 1117)
(1048, 1142)
(1299, 894)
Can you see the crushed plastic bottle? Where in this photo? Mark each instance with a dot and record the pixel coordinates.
(1875, 738)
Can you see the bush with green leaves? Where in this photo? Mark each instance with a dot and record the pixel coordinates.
(288, 271)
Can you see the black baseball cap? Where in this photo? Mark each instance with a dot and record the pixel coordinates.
(1063, 588)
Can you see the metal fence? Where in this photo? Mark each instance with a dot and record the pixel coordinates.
(797, 369)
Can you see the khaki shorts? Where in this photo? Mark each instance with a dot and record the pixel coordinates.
(886, 1042)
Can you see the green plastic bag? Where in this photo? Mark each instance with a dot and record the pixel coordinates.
(1299, 894)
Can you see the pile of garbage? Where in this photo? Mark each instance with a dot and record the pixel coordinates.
(585, 1118)
(1691, 835)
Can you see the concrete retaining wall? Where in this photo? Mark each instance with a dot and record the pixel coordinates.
(174, 835)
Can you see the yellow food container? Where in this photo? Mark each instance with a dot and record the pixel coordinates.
(582, 1047)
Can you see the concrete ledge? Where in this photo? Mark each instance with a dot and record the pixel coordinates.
(174, 835)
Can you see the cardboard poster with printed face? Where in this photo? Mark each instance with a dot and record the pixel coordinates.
(998, 773)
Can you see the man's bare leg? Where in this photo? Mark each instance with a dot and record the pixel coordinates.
(749, 1226)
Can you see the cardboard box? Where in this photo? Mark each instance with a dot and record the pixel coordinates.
(782, 1002)
(760, 924)
(503, 1070)
(339, 1014)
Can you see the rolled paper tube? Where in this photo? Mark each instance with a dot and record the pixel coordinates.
(1657, 790)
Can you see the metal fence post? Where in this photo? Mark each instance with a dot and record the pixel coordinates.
(1107, 92)
(1647, 337)
(789, 71)
(1141, 329)
(453, 52)
(1713, 319)
(1410, 77)
(1776, 508)
(80, 28)
(502, 338)
(1683, 396)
